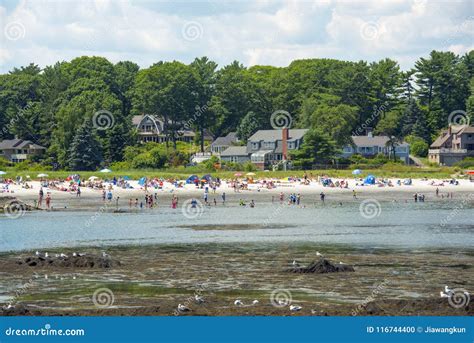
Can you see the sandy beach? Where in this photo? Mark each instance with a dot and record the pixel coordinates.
(91, 197)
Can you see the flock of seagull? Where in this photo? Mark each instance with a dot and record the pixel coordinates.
(62, 255)
(238, 302)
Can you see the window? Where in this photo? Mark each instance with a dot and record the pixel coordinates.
(291, 145)
(269, 145)
(255, 145)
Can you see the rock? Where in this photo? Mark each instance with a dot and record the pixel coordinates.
(15, 310)
(322, 266)
(88, 261)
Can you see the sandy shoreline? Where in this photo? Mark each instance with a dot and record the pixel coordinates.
(93, 197)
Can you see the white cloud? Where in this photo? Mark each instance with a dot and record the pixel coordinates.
(253, 32)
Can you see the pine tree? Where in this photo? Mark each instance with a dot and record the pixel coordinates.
(85, 152)
(248, 126)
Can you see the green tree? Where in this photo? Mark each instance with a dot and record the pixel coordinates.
(85, 152)
(317, 147)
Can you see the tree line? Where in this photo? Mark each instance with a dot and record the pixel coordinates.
(54, 106)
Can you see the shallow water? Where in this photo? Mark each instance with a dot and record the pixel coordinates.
(442, 224)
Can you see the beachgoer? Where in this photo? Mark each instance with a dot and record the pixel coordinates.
(354, 194)
(78, 193)
(322, 196)
(223, 198)
(48, 201)
(40, 197)
(252, 204)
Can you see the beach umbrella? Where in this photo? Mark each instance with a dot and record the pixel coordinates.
(106, 171)
(126, 178)
(92, 178)
(42, 175)
(238, 174)
(470, 172)
(142, 181)
(250, 174)
(2, 172)
(356, 172)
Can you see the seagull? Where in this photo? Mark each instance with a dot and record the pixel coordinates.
(182, 308)
(46, 254)
(81, 254)
(105, 255)
(9, 306)
(37, 253)
(63, 255)
(74, 254)
(447, 290)
(282, 303)
(238, 302)
(295, 264)
(74, 278)
(198, 299)
(443, 295)
(340, 262)
(56, 255)
(318, 253)
(255, 302)
(46, 276)
(295, 308)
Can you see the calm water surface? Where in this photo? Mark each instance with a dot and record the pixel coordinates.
(422, 225)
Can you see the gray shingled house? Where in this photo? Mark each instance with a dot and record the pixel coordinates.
(19, 150)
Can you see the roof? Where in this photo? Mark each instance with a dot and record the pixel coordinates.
(274, 135)
(441, 140)
(444, 137)
(19, 144)
(235, 151)
(136, 120)
(227, 140)
(372, 141)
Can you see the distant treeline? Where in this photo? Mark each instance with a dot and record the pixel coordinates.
(54, 106)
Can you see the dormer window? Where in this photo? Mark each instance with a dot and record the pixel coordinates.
(255, 145)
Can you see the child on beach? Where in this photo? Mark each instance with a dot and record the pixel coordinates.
(48, 201)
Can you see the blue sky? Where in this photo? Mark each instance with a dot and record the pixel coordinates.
(252, 32)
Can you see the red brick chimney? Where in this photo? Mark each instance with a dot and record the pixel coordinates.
(284, 142)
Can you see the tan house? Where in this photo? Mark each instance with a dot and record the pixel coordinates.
(19, 150)
(453, 145)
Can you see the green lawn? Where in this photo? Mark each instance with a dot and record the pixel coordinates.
(392, 171)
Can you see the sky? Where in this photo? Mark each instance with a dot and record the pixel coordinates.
(262, 32)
